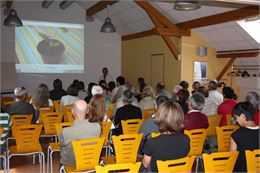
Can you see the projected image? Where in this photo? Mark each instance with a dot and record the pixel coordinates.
(48, 47)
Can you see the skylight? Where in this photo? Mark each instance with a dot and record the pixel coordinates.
(252, 27)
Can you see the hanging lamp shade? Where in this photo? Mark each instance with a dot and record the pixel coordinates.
(186, 5)
(108, 26)
(12, 20)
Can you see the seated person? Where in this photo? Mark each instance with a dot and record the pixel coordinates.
(194, 119)
(147, 98)
(20, 106)
(182, 98)
(253, 97)
(171, 144)
(247, 136)
(5, 123)
(41, 97)
(82, 128)
(160, 90)
(128, 111)
(71, 96)
(82, 94)
(57, 91)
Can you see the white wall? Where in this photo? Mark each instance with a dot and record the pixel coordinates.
(100, 49)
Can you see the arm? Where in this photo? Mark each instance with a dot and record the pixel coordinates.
(146, 160)
(233, 145)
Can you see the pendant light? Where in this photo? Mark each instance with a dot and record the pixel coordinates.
(108, 26)
(12, 20)
(186, 5)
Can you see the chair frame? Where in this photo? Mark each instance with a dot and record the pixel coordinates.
(226, 131)
(126, 125)
(133, 167)
(250, 163)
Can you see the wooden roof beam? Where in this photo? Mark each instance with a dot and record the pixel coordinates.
(101, 5)
(224, 70)
(239, 54)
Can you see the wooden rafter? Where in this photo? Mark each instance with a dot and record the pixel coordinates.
(139, 35)
(239, 54)
(224, 70)
(99, 7)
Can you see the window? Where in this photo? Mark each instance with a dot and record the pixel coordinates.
(252, 27)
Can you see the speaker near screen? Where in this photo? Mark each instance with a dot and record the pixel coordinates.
(49, 47)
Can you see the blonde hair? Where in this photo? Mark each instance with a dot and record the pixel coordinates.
(97, 108)
(148, 91)
(170, 117)
(41, 97)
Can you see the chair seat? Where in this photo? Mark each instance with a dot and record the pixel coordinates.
(13, 149)
(55, 146)
(70, 168)
(109, 160)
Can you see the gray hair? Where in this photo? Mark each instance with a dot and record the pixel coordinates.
(128, 96)
(197, 101)
(20, 92)
(253, 97)
(213, 85)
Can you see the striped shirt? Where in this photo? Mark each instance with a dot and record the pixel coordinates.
(5, 122)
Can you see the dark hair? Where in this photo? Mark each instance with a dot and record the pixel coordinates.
(184, 84)
(103, 84)
(213, 85)
(111, 85)
(141, 84)
(120, 80)
(160, 86)
(76, 83)
(183, 95)
(72, 90)
(203, 90)
(57, 84)
(228, 93)
(245, 108)
(128, 96)
(81, 85)
(160, 99)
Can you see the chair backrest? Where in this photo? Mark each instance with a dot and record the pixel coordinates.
(219, 162)
(49, 121)
(66, 108)
(253, 160)
(228, 117)
(106, 126)
(68, 117)
(60, 126)
(197, 139)
(18, 119)
(27, 137)
(87, 153)
(6, 100)
(224, 136)
(44, 110)
(154, 135)
(28, 99)
(147, 113)
(56, 105)
(126, 147)
(1, 132)
(121, 167)
(178, 165)
(6, 103)
(131, 126)
(214, 122)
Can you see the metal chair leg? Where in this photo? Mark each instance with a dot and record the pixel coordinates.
(48, 159)
(51, 164)
(43, 162)
(197, 163)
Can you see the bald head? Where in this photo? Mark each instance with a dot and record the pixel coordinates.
(79, 109)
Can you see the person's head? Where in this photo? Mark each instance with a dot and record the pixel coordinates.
(128, 97)
(183, 95)
(213, 85)
(120, 80)
(228, 93)
(103, 84)
(196, 102)
(41, 96)
(90, 86)
(148, 91)
(160, 99)
(253, 97)
(81, 85)
(79, 109)
(111, 85)
(170, 117)
(195, 85)
(159, 87)
(203, 90)
(96, 89)
(97, 108)
(20, 93)
(141, 83)
(244, 113)
(76, 83)
(105, 71)
(57, 84)
(184, 84)
(72, 90)
(176, 89)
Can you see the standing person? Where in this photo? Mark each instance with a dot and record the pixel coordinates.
(214, 95)
(247, 136)
(227, 106)
(83, 128)
(253, 97)
(105, 76)
(82, 94)
(57, 91)
(20, 106)
(41, 97)
(171, 144)
(160, 90)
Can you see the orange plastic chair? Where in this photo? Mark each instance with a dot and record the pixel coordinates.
(3, 155)
(68, 117)
(197, 139)
(44, 110)
(18, 119)
(66, 108)
(106, 126)
(56, 105)
(87, 153)
(49, 121)
(27, 143)
(131, 126)
(121, 167)
(147, 113)
(228, 117)
(224, 136)
(178, 165)
(154, 135)
(214, 122)
(219, 162)
(28, 99)
(6, 103)
(253, 160)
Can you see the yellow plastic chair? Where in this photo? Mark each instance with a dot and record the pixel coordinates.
(6, 103)
(219, 162)
(87, 153)
(18, 119)
(56, 105)
(106, 126)
(253, 160)
(55, 146)
(43, 111)
(197, 139)
(154, 135)
(28, 99)
(224, 136)
(66, 108)
(178, 165)
(3, 155)
(228, 118)
(131, 126)
(49, 121)
(27, 143)
(68, 117)
(147, 113)
(214, 122)
(121, 167)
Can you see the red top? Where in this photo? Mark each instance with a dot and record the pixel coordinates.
(257, 114)
(226, 108)
(195, 120)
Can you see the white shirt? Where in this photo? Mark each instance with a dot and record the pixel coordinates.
(67, 100)
(147, 103)
(210, 107)
(107, 79)
(82, 94)
(216, 97)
